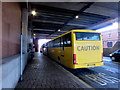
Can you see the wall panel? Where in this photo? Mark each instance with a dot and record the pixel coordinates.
(11, 23)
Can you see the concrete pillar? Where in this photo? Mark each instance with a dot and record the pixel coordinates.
(25, 29)
(0, 29)
(119, 23)
(30, 41)
(35, 41)
(30, 37)
(0, 45)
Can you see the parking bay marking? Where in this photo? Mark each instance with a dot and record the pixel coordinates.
(102, 78)
(110, 70)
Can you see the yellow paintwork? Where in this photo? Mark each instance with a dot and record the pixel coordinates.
(56, 52)
(88, 58)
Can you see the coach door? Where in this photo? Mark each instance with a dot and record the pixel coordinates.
(66, 49)
(62, 51)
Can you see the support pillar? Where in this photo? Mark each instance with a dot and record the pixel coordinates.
(25, 29)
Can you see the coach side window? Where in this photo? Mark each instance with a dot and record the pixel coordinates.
(56, 42)
(67, 40)
(50, 44)
(61, 42)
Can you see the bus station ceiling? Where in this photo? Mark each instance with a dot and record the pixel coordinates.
(52, 16)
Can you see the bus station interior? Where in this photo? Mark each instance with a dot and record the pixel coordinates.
(20, 32)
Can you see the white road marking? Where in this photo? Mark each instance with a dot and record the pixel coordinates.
(96, 79)
(106, 60)
(112, 79)
(102, 78)
(110, 70)
(117, 62)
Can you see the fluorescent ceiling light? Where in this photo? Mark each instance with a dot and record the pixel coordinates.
(76, 16)
(58, 29)
(33, 12)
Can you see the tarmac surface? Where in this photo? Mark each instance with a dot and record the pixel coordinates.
(105, 77)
